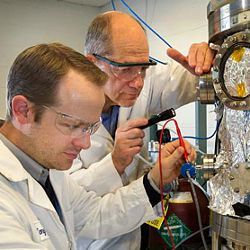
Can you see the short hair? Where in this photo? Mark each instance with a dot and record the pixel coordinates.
(37, 71)
(99, 35)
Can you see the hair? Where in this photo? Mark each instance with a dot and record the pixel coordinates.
(99, 34)
(37, 71)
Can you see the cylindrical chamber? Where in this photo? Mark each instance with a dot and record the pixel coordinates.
(227, 17)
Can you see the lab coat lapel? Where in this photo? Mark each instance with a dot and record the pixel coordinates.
(13, 170)
(124, 114)
(57, 178)
(103, 132)
(38, 196)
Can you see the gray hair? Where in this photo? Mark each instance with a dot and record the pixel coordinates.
(99, 36)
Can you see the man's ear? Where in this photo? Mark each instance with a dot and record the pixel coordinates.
(91, 58)
(22, 109)
(94, 60)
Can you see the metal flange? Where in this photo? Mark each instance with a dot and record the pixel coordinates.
(238, 39)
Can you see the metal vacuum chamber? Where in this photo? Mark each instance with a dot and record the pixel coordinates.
(228, 87)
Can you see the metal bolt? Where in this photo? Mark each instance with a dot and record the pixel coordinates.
(218, 56)
(231, 178)
(233, 39)
(244, 37)
(216, 81)
(233, 104)
(215, 68)
(243, 103)
(214, 46)
(224, 46)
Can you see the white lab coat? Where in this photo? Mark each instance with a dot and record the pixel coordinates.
(28, 219)
(165, 87)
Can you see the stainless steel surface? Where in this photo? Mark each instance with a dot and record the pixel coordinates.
(240, 179)
(227, 17)
(229, 23)
(206, 89)
(215, 4)
(216, 244)
(208, 160)
(233, 229)
(153, 151)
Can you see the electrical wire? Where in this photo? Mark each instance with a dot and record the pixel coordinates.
(201, 138)
(161, 190)
(151, 29)
(141, 20)
(161, 176)
(194, 146)
(189, 177)
(196, 202)
(191, 235)
(157, 60)
(217, 139)
(190, 180)
(113, 4)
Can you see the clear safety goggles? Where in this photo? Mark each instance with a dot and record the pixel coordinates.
(73, 126)
(127, 71)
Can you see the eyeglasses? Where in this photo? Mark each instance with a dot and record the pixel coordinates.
(73, 126)
(127, 71)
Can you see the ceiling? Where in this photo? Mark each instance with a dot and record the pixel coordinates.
(96, 3)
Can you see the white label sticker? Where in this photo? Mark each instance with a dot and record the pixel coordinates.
(41, 231)
(225, 17)
(181, 197)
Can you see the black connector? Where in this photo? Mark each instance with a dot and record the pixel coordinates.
(165, 115)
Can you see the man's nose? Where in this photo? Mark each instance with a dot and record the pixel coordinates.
(137, 82)
(82, 142)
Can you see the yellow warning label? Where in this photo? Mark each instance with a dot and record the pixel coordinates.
(159, 220)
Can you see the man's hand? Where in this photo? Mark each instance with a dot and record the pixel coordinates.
(172, 156)
(199, 59)
(128, 142)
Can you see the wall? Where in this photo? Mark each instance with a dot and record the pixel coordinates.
(28, 22)
(180, 23)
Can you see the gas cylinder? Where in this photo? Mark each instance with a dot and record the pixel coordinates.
(182, 219)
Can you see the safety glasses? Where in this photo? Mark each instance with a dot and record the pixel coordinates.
(73, 126)
(127, 71)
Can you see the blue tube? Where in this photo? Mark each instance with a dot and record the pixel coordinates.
(141, 20)
(113, 5)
